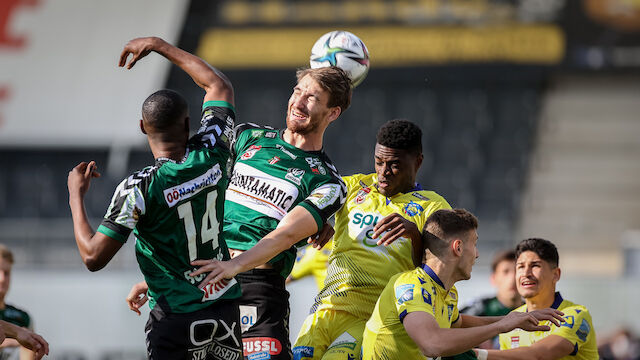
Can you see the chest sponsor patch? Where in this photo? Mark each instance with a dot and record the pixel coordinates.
(361, 196)
(259, 191)
(284, 150)
(413, 209)
(295, 175)
(175, 194)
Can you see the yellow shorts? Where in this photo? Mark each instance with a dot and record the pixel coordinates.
(329, 335)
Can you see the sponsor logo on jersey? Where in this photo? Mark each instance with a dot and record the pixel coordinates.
(215, 291)
(256, 133)
(301, 352)
(254, 345)
(248, 317)
(274, 160)
(190, 188)
(284, 150)
(404, 293)
(420, 196)
(569, 320)
(325, 195)
(345, 340)
(515, 342)
(426, 296)
(413, 209)
(316, 165)
(294, 175)
(251, 151)
(270, 134)
(361, 196)
(260, 191)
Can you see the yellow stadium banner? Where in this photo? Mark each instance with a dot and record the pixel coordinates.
(389, 46)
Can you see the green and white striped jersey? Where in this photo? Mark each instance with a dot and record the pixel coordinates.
(270, 177)
(175, 212)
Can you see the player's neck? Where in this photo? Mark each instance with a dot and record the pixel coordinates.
(173, 151)
(307, 142)
(540, 301)
(445, 272)
(3, 305)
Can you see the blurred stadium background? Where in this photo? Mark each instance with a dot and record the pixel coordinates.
(530, 111)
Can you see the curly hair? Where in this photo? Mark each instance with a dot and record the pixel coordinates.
(400, 134)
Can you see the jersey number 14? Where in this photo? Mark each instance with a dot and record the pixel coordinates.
(209, 229)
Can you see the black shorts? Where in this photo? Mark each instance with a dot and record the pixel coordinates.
(264, 315)
(210, 333)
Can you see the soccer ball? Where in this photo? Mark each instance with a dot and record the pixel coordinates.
(344, 50)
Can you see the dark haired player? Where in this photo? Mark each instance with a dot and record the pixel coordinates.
(417, 312)
(174, 209)
(376, 230)
(537, 273)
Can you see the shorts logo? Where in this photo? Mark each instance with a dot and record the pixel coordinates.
(210, 343)
(301, 352)
(515, 342)
(251, 151)
(344, 341)
(268, 345)
(274, 160)
(248, 317)
(361, 196)
(215, 291)
(294, 175)
(190, 188)
(413, 209)
(259, 356)
(404, 293)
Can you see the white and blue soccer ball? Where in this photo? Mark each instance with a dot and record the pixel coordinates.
(344, 50)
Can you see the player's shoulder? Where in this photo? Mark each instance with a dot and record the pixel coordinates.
(253, 130)
(363, 180)
(140, 178)
(521, 308)
(429, 196)
(573, 309)
(409, 277)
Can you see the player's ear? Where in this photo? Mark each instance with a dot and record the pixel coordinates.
(456, 246)
(334, 112)
(142, 127)
(556, 275)
(419, 159)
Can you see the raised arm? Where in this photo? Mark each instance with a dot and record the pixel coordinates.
(296, 225)
(96, 249)
(212, 80)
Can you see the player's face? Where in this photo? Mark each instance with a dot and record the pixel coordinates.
(535, 276)
(307, 110)
(469, 253)
(396, 169)
(504, 279)
(5, 277)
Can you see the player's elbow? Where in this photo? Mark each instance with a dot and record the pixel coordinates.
(432, 349)
(93, 264)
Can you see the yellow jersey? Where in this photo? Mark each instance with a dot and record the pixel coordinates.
(416, 290)
(311, 261)
(577, 328)
(358, 268)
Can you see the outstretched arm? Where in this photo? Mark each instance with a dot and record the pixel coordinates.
(296, 225)
(434, 341)
(96, 249)
(213, 81)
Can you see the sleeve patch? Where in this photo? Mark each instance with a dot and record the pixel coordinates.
(583, 330)
(404, 293)
(325, 195)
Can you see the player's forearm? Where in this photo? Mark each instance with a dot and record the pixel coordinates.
(266, 249)
(449, 342)
(473, 321)
(203, 74)
(83, 233)
(524, 353)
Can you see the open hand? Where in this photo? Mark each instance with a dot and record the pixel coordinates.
(395, 227)
(217, 270)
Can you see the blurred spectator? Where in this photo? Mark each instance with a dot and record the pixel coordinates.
(622, 345)
(10, 348)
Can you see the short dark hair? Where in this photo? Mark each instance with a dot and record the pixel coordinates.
(164, 109)
(443, 225)
(543, 248)
(400, 134)
(335, 81)
(6, 254)
(505, 255)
